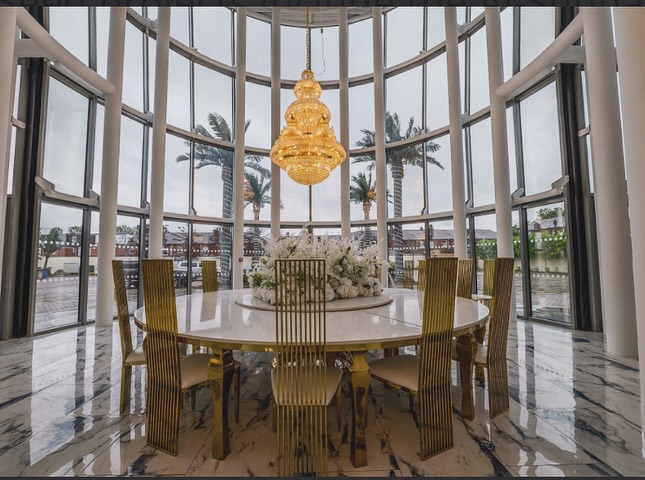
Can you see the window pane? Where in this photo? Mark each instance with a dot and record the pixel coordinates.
(485, 244)
(102, 32)
(178, 113)
(403, 92)
(179, 24)
(541, 140)
(479, 94)
(293, 52)
(70, 26)
(152, 60)
(537, 31)
(126, 249)
(213, 94)
(510, 135)
(406, 246)
(65, 138)
(506, 19)
(212, 32)
(326, 198)
(441, 238)
(324, 53)
(258, 111)
(404, 34)
(130, 163)
(211, 199)
(133, 67)
(436, 26)
(175, 247)
(295, 198)
(482, 160)
(518, 274)
(549, 265)
(437, 93)
(362, 188)
(257, 188)
(439, 180)
(207, 245)
(361, 48)
(176, 177)
(405, 181)
(361, 113)
(461, 48)
(57, 279)
(258, 47)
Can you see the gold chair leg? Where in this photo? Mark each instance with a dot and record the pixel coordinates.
(274, 415)
(480, 334)
(126, 386)
(236, 394)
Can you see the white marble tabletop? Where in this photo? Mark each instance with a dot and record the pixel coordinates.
(216, 319)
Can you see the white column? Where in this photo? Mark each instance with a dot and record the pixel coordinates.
(158, 159)
(614, 242)
(7, 73)
(275, 119)
(379, 141)
(498, 132)
(630, 38)
(110, 169)
(238, 170)
(343, 68)
(456, 146)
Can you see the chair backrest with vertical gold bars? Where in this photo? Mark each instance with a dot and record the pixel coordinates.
(435, 379)
(408, 274)
(164, 375)
(465, 278)
(129, 356)
(421, 283)
(210, 281)
(500, 312)
(487, 289)
(300, 376)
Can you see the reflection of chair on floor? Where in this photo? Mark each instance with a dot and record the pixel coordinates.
(210, 284)
(169, 376)
(493, 355)
(303, 385)
(428, 376)
(129, 356)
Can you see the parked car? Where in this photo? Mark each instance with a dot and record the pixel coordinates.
(181, 272)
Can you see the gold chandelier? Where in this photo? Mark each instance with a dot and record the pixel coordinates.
(307, 148)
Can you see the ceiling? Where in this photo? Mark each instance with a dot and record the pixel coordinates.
(319, 16)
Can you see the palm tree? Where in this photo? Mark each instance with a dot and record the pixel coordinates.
(364, 192)
(397, 159)
(209, 155)
(256, 193)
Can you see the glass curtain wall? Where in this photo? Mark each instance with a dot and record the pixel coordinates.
(198, 202)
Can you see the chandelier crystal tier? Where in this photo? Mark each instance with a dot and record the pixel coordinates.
(307, 148)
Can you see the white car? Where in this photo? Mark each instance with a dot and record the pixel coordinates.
(181, 272)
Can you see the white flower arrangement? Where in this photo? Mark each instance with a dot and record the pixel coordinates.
(351, 272)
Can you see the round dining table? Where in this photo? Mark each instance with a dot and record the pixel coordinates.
(230, 320)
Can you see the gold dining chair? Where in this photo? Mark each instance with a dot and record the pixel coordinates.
(428, 376)
(465, 278)
(130, 356)
(169, 376)
(492, 356)
(408, 274)
(210, 284)
(302, 383)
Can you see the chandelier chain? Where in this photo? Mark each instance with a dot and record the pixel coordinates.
(308, 41)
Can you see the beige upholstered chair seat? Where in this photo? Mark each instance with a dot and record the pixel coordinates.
(403, 370)
(480, 354)
(194, 369)
(294, 388)
(136, 356)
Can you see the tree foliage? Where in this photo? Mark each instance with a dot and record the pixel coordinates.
(50, 243)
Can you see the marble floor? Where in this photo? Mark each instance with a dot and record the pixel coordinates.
(574, 412)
